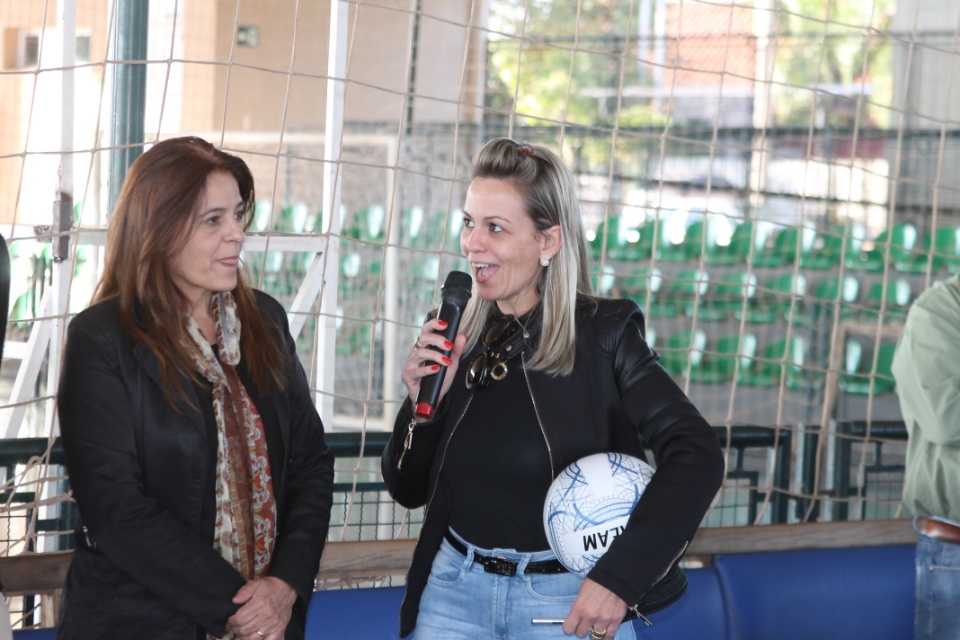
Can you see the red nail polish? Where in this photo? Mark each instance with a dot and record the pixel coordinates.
(443, 324)
(435, 367)
(447, 360)
(447, 344)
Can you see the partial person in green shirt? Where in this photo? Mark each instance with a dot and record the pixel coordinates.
(926, 367)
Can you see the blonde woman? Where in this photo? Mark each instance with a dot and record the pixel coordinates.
(577, 379)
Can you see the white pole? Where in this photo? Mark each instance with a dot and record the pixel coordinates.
(332, 143)
(63, 206)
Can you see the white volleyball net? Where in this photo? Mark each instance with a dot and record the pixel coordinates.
(771, 181)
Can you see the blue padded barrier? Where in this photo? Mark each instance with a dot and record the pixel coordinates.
(833, 594)
(35, 634)
(824, 594)
(372, 613)
(698, 615)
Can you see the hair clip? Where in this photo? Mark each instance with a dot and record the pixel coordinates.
(525, 149)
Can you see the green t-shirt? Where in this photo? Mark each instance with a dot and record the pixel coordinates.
(927, 370)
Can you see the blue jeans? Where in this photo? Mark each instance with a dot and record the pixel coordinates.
(464, 602)
(937, 612)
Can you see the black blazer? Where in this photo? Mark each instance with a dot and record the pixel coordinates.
(142, 475)
(618, 398)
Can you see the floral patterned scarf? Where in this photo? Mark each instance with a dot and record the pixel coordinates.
(246, 521)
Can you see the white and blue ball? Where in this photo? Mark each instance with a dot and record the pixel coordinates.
(588, 506)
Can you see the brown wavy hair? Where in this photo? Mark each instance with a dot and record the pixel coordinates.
(153, 218)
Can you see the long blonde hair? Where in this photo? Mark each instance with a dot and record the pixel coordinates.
(550, 196)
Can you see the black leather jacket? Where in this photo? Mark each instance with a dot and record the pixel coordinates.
(616, 392)
(143, 471)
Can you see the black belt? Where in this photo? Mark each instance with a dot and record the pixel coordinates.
(502, 566)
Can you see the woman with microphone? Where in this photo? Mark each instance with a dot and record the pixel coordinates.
(540, 373)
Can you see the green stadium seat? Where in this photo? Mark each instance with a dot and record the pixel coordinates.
(767, 370)
(829, 248)
(604, 281)
(419, 230)
(947, 254)
(350, 264)
(859, 376)
(681, 293)
(629, 247)
(413, 229)
(297, 268)
(720, 363)
(700, 238)
(944, 256)
(780, 296)
(838, 290)
(746, 235)
(360, 270)
(901, 240)
(426, 267)
(852, 359)
(453, 262)
(689, 248)
(293, 218)
(425, 273)
(262, 211)
(368, 223)
(696, 241)
(651, 337)
(611, 236)
(355, 337)
(895, 301)
(682, 349)
(639, 281)
(727, 297)
(788, 244)
(268, 271)
(650, 241)
(314, 222)
(453, 223)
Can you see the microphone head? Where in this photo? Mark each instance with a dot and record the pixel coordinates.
(458, 279)
(457, 286)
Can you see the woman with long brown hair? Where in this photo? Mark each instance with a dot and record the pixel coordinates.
(195, 453)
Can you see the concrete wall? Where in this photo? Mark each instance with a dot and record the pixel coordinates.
(30, 107)
(201, 81)
(927, 97)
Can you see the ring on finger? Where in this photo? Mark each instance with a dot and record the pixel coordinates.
(261, 633)
(597, 635)
(416, 345)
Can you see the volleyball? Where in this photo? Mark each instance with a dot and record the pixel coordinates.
(588, 506)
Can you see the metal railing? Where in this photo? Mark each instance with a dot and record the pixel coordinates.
(759, 489)
(862, 477)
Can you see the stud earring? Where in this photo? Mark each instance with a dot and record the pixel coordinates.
(544, 262)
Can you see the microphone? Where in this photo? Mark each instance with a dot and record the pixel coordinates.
(454, 295)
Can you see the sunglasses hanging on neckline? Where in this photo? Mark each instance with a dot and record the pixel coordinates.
(504, 339)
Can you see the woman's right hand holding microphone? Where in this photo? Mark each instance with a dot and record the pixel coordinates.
(424, 361)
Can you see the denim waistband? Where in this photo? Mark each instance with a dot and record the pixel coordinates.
(537, 561)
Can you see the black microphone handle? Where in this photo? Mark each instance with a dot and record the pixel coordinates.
(449, 312)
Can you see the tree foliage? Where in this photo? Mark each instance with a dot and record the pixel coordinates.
(565, 61)
(832, 62)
